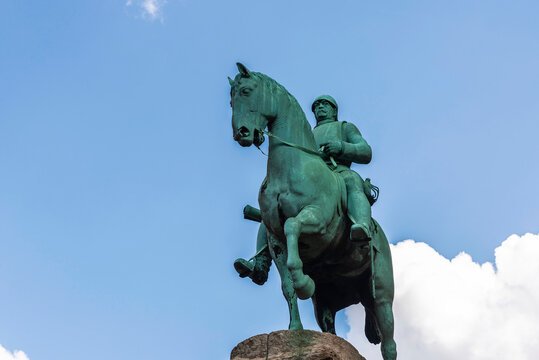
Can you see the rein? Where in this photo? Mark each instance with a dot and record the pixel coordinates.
(295, 146)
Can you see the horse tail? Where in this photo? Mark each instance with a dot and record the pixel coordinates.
(371, 328)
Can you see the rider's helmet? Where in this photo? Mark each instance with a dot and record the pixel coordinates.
(328, 99)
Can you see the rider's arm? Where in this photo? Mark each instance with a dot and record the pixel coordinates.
(354, 146)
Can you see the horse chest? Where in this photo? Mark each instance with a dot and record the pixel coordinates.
(278, 202)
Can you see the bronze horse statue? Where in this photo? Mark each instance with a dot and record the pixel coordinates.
(302, 204)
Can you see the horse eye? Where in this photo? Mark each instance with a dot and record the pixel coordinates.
(245, 91)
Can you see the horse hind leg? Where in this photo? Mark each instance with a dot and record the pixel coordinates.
(308, 221)
(372, 332)
(325, 317)
(384, 315)
(383, 302)
(279, 255)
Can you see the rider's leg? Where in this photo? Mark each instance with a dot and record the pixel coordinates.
(261, 238)
(359, 208)
(256, 268)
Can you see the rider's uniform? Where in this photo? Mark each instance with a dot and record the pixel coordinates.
(354, 150)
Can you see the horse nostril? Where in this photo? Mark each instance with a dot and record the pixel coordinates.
(243, 132)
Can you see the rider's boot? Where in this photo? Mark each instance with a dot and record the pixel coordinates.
(256, 269)
(359, 210)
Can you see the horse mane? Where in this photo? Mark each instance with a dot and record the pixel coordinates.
(273, 87)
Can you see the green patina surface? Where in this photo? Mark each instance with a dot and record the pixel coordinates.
(315, 211)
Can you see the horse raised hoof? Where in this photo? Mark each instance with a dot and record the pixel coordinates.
(304, 288)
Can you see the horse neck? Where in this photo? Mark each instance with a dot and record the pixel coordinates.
(291, 125)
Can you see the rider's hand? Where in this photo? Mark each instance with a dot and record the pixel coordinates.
(333, 148)
(323, 154)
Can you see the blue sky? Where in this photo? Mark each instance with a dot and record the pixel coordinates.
(122, 188)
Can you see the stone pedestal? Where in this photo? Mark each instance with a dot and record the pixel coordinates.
(295, 345)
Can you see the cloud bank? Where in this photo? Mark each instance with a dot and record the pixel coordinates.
(16, 355)
(459, 309)
(150, 9)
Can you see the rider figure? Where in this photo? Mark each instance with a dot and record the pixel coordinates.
(340, 144)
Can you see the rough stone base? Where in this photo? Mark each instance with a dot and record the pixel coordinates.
(295, 345)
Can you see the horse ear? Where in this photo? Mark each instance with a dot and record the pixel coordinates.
(231, 81)
(243, 70)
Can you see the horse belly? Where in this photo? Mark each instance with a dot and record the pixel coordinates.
(323, 244)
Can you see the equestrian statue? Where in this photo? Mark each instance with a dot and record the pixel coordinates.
(315, 212)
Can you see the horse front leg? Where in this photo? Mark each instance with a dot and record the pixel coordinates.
(279, 254)
(308, 221)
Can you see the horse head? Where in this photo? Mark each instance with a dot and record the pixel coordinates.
(251, 107)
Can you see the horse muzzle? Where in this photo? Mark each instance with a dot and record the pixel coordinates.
(246, 138)
(243, 136)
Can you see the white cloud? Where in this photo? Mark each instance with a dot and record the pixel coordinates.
(16, 355)
(458, 309)
(150, 9)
